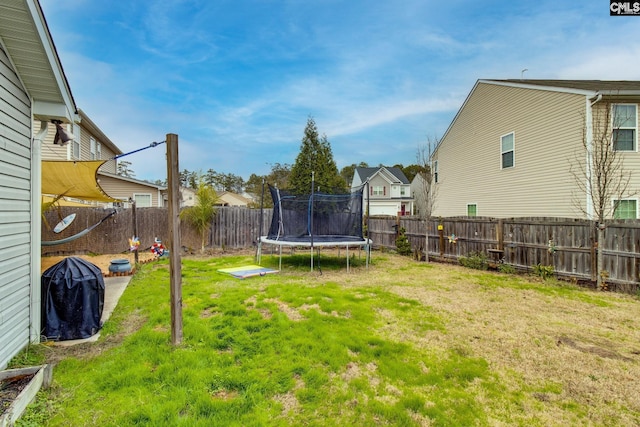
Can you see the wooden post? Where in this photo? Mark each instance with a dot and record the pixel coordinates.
(441, 238)
(500, 235)
(175, 267)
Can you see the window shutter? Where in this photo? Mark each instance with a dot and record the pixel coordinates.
(384, 190)
(371, 190)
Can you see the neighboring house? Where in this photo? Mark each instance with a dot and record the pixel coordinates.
(187, 197)
(227, 198)
(389, 190)
(145, 194)
(33, 88)
(512, 146)
(418, 191)
(89, 143)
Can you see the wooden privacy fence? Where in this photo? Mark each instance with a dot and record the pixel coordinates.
(569, 245)
(232, 227)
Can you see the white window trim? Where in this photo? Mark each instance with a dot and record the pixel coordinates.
(92, 148)
(471, 204)
(613, 205)
(435, 170)
(134, 195)
(513, 149)
(635, 136)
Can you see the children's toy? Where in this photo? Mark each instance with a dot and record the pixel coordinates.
(134, 244)
(158, 248)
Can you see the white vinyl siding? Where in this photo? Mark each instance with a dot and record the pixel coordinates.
(625, 127)
(15, 213)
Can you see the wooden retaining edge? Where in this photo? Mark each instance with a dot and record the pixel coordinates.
(42, 376)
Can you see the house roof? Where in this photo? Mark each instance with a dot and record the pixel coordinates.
(584, 87)
(132, 180)
(229, 197)
(609, 87)
(367, 173)
(25, 36)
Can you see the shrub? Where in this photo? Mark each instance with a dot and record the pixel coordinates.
(402, 243)
(507, 269)
(543, 271)
(475, 260)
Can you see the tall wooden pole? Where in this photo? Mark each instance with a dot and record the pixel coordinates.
(175, 266)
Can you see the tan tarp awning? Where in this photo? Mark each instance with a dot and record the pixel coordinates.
(64, 202)
(77, 179)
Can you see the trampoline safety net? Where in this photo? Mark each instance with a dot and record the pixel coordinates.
(316, 217)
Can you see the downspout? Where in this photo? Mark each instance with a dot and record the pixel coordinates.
(36, 232)
(589, 159)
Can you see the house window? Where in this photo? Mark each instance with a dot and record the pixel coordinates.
(75, 143)
(625, 124)
(98, 151)
(402, 191)
(625, 209)
(472, 209)
(435, 171)
(92, 148)
(378, 191)
(142, 200)
(507, 145)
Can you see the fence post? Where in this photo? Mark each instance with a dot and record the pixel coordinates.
(441, 238)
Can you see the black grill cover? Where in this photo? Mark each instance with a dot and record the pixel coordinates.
(72, 300)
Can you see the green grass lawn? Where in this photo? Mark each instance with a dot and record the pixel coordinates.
(399, 344)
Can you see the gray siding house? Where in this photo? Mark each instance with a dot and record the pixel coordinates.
(389, 190)
(33, 88)
(516, 148)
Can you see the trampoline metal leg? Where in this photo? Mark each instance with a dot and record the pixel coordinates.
(347, 258)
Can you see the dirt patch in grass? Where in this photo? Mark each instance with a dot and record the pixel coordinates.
(87, 350)
(101, 261)
(582, 349)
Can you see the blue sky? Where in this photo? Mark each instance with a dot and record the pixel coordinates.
(237, 80)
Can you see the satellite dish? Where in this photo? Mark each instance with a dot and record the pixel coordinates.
(66, 221)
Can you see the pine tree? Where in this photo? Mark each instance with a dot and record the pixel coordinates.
(315, 156)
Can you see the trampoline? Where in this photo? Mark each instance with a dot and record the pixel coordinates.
(316, 220)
